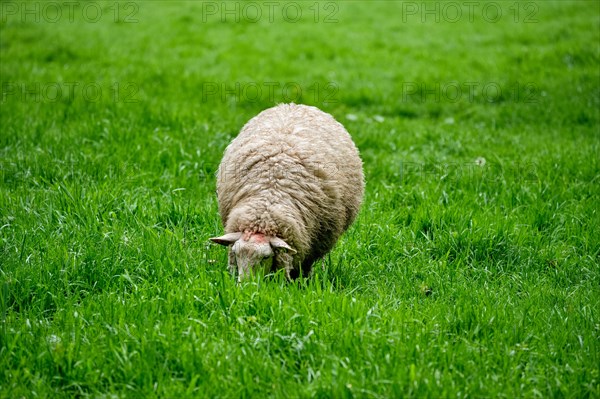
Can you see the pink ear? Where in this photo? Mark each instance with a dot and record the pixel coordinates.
(278, 243)
(227, 239)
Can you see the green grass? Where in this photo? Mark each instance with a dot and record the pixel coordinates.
(459, 279)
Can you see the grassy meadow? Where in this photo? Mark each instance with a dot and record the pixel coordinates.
(473, 269)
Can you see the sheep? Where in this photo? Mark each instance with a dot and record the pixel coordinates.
(288, 186)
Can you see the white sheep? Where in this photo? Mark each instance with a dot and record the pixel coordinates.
(288, 186)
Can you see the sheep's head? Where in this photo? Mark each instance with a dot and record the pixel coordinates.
(251, 253)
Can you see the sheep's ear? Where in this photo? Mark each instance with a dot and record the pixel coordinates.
(278, 243)
(227, 239)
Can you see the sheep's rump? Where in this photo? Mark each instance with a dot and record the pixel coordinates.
(294, 172)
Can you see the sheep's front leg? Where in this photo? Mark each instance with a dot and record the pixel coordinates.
(284, 260)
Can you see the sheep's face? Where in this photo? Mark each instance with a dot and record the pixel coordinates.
(251, 254)
(251, 257)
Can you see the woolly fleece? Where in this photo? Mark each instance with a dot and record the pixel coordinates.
(293, 172)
